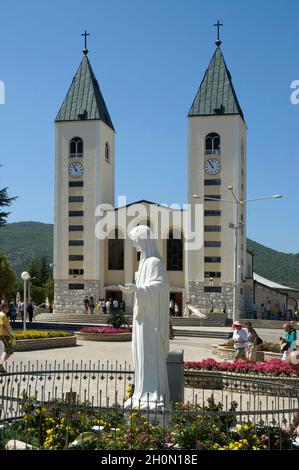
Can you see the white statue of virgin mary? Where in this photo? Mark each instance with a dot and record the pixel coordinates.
(150, 340)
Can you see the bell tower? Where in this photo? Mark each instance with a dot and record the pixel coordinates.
(217, 161)
(84, 178)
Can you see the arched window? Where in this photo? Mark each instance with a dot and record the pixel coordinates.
(107, 152)
(175, 251)
(212, 144)
(76, 147)
(115, 251)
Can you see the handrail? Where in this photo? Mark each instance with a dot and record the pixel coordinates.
(195, 311)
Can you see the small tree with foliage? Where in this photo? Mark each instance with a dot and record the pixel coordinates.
(7, 277)
(5, 201)
(117, 318)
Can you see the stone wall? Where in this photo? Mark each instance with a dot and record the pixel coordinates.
(71, 300)
(227, 354)
(45, 343)
(203, 300)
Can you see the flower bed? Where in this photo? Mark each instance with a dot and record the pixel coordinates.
(213, 375)
(105, 334)
(273, 367)
(38, 334)
(106, 330)
(53, 427)
(33, 340)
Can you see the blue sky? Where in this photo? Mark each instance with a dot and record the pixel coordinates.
(149, 57)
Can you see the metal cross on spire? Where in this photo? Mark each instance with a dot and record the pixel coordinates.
(218, 24)
(85, 34)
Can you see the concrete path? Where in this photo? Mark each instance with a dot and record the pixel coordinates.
(195, 348)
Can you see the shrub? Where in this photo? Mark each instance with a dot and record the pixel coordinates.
(117, 318)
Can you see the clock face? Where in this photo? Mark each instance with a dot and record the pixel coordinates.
(75, 170)
(212, 166)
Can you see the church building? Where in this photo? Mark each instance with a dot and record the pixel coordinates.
(85, 178)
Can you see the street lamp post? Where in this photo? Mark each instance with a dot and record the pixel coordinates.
(25, 276)
(236, 226)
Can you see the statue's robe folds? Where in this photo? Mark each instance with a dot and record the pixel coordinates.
(150, 340)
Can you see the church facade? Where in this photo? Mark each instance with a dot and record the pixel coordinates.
(85, 162)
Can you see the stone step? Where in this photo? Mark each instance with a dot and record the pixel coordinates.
(269, 324)
(102, 319)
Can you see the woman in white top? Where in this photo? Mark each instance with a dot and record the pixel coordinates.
(240, 340)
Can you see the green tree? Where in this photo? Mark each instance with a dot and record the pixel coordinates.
(40, 270)
(5, 201)
(7, 277)
(49, 289)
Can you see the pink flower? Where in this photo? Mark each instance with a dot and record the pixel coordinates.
(105, 330)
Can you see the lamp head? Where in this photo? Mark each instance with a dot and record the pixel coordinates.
(25, 276)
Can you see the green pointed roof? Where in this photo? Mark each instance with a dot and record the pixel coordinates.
(216, 94)
(84, 100)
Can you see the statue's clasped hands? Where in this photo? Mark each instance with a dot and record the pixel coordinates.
(128, 288)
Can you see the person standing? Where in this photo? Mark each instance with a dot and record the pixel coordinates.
(263, 312)
(176, 309)
(171, 307)
(103, 303)
(240, 340)
(108, 307)
(12, 311)
(115, 304)
(6, 336)
(288, 343)
(268, 309)
(30, 309)
(254, 311)
(253, 342)
(86, 304)
(91, 305)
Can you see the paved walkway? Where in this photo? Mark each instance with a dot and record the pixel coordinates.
(195, 349)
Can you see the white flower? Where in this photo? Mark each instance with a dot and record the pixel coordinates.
(98, 428)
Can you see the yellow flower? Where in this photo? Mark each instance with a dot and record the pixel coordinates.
(246, 427)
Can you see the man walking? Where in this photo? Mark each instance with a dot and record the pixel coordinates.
(86, 304)
(30, 310)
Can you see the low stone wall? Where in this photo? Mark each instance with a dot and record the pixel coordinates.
(45, 343)
(228, 354)
(104, 336)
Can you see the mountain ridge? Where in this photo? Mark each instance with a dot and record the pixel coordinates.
(22, 241)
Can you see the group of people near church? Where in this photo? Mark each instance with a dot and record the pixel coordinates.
(16, 309)
(273, 311)
(247, 342)
(103, 306)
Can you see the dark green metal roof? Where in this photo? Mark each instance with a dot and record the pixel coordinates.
(216, 94)
(84, 100)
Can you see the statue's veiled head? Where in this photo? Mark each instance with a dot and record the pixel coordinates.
(143, 240)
